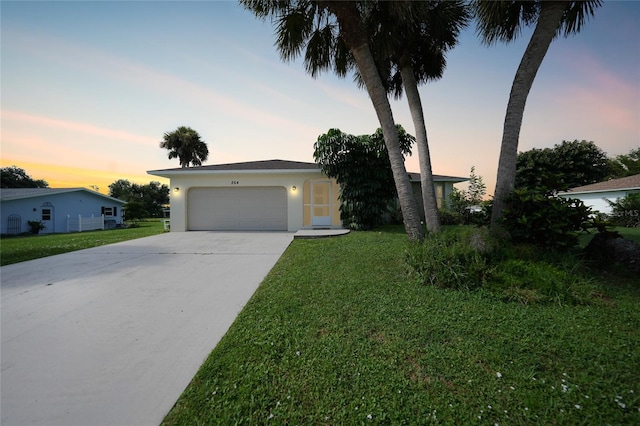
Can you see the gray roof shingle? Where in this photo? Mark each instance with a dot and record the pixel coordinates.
(629, 182)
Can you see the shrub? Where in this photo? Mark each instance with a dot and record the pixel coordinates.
(528, 281)
(456, 260)
(537, 217)
(626, 211)
(450, 217)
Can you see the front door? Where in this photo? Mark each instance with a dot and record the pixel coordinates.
(321, 203)
(47, 218)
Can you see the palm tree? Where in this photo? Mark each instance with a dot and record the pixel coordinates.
(421, 33)
(185, 144)
(502, 21)
(334, 35)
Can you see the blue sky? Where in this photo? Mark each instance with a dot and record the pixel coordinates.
(89, 88)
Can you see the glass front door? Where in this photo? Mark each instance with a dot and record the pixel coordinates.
(321, 203)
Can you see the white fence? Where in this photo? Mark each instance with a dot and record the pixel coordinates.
(79, 224)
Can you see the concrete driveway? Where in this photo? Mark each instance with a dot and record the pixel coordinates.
(112, 335)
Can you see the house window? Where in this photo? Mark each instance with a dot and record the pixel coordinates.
(439, 194)
(46, 214)
(110, 211)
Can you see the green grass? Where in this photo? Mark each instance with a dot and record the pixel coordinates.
(22, 248)
(339, 334)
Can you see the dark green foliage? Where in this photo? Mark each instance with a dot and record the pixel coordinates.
(185, 144)
(15, 177)
(625, 164)
(134, 211)
(537, 217)
(566, 165)
(462, 205)
(457, 260)
(626, 211)
(360, 164)
(152, 196)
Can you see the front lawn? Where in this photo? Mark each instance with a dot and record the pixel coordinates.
(21, 248)
(339, 334)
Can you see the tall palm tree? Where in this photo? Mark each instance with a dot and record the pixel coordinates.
(410, 41)
(185, 144)
(334, 35)
(502, 21)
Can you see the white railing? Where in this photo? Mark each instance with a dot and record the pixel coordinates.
(79, 224)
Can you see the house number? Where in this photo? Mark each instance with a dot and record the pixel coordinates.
(235, 182)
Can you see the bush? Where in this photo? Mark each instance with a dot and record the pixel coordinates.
(469, 258)
(626, 211)
(450, 217)
(528, 281)
(537, 217)
(457, 260)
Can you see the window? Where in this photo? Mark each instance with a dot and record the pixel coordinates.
(439, 194)
(109, 211)
(46, 214)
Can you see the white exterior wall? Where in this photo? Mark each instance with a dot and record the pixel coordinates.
(597, 200)
(239, 180)
(69, 203)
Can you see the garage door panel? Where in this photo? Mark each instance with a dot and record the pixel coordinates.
(252, 208)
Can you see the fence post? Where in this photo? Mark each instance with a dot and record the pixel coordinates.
(79, 223)
(103, 222)
(68, 223)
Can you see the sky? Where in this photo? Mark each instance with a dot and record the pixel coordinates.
(88, 90)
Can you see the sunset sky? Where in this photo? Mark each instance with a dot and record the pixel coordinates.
(89, 88)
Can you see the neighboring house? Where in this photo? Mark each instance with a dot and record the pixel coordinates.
(57, 208)
(271, 195)
(443, 186)
(597, 194)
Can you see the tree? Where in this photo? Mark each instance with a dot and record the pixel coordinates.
(409, 44)
(333, 35)
(566, 165)
(360, 164)
(152, 196)
(502, 20)
(625, 164)
(185, 144)
(15, 177)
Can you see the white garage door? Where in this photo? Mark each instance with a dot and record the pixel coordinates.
(237, 209)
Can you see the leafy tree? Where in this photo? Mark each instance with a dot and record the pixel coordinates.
(135, 211)
(502, 21)
(333, 35)
(15, 177)
(409, 43)
(460, 203)
(360, 164)
(625, 164)
(151, 196)
(566, 165)
(185, 144)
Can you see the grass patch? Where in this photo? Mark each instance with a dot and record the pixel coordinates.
(22, 248)
(338, 333)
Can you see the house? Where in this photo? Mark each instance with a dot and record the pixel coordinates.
(59, 209)
(596, 195)
(270, 195)
(443, 186)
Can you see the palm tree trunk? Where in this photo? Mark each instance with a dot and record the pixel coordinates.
(352, 31)
(431, 217)
(546, 28)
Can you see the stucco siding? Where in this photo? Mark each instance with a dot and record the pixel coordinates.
(598, 200)
(181, 184)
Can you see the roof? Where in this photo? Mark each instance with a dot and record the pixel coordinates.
(415, 177)
(275, 166)
(265, 165)
(622, 184)
(8, 194)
